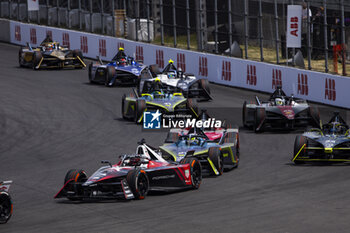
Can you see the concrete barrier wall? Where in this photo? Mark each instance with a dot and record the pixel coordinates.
(315, 86)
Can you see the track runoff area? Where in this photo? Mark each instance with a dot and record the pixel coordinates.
(54, 120)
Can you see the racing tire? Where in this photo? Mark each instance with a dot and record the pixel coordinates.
(90, 73)
(192, 107)
(123, 106)
(20, 58)
(244, 114)
(154, 69)
(78, 176)
(260, 116)
(78, 53)
(205, 85)
(171, 137)
(195, 171)
(140, 106)
(37, 56)
(314, 113)
(109, 75)
(6, 207)
(298, 144)
(138, 183)
(215, 156)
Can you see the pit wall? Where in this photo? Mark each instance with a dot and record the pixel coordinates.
(315, 86)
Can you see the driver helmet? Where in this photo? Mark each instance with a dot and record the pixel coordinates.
(192, 140)
(180, 73)
(279, 101)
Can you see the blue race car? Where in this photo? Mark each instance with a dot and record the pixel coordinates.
(122, 70)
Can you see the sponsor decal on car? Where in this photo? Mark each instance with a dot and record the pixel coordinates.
(163, 177)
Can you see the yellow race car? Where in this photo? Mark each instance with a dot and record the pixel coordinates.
(50, 54)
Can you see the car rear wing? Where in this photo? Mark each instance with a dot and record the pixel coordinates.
(5, 185)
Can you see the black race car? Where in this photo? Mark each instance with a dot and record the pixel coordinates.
(6, 206)
(329, 144)
(133, 177)
(279, 112)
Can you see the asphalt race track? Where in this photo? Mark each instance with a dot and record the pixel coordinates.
(53, 120)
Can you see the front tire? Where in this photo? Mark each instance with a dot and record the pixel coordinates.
(138, 183)
(195, 171)
(244, 114)
(215, 156)
(298, 144)
(140, 106)
(260, 116)
(6, 207)
(37, 56)
(110, 72)
(78, 177)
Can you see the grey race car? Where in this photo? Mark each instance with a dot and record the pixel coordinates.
(279, 112)
(329, 144)
(175, 79)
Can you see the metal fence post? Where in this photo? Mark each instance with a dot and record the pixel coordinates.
(308, 37)
(261, 37)
(277, 36)
(246, 36)
(188, 24)
(343, 36)
(148, 29)
(91, 28)
(174, 23)
(80, 24)
(68, 11)
(18, 10)
(113, 19)
(161, 23)
(229, 26)
(102, 24)
(216, 24)
(47, 12)
(58, 13)
(325, 26)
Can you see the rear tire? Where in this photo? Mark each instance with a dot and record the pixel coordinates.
(215, 156)
(192, 107)
(78, 176)
(123, 106)
(244, 114)
(196, 171)
(298, 144)
(110, 72)
(205, 85)
(140, 106)
(6, 207)
(138, 182)
(154, 69)
(90, 73)
(20, 58)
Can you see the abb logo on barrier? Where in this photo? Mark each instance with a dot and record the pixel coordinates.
(330, 91)
(181, 61)
(102, 47)
(303, 87)
(33, 35)
(65, 39)
(18, 33)
(160, 58)
(203, 66)
(276, 78)
(294, 26)
(84, 44)
(251, 75)
(226, 71)
(120, 45)
(139, 53)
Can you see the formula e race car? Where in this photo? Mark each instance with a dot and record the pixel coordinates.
(329, 144)
(279, 112)
(156, 97)
(50, 55)
(133, 177)
(174, 78)
(217, 149)
(122, 69)
(6, 206)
